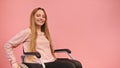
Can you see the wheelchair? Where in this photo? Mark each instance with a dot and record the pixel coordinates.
(67, 51)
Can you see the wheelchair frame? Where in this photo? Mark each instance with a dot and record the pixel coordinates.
(67, 51)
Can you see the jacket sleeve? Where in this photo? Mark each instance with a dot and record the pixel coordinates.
(14, 42)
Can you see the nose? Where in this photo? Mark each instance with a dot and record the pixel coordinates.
(41, 18)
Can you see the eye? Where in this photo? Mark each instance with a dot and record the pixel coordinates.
(38, 15)
(43, 16)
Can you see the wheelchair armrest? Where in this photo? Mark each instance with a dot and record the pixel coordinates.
(68, 51)
(37, 54)
(63, 50)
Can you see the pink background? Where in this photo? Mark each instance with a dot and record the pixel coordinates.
(90, 28)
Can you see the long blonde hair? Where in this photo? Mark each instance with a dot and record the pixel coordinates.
(44, 28)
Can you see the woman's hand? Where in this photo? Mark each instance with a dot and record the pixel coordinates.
(16, 65)
(31, 58)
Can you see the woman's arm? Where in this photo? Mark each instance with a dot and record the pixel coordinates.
(14, 42)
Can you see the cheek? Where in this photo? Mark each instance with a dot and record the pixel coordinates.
(36, 18)
(44, 19)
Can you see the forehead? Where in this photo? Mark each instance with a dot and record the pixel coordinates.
(40, 12)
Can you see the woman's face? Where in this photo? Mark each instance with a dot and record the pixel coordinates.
(39, 18)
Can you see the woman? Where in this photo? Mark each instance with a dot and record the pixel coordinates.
(36, 38)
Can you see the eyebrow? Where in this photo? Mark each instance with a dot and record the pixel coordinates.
(40, 14)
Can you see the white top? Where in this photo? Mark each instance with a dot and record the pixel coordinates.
(42, 46)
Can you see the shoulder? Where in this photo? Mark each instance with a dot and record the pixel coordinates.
(21, 36)
(25, 31)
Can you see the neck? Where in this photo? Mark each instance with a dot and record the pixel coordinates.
(38, 29)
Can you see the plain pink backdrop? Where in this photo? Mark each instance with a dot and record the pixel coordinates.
(90, 28)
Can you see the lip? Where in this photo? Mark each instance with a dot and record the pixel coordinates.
(39, 20)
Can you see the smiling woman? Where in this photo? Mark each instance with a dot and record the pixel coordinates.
(37, 38)
(90, 28)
